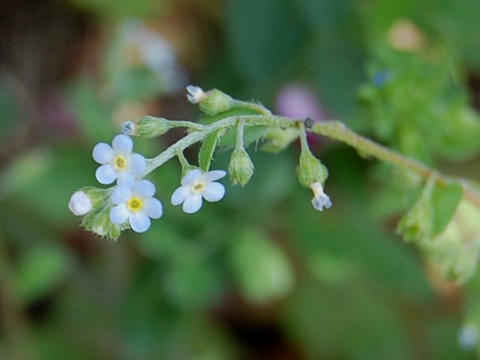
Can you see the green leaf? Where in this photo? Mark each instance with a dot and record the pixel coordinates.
(261, 268)
(39, 271)
(432, 212)
(91, 113)
(445, 200)
(205, 154)
(264, 37)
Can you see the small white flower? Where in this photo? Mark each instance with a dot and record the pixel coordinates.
(135, 204)
(195, 94)
(195, 185)
(80, 203)
(320, 200)
(118, 161)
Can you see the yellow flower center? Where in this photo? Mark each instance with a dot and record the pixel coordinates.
(135, 204)
(119, 163)
(199, 186)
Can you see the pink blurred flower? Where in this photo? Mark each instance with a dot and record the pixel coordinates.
(298, 101)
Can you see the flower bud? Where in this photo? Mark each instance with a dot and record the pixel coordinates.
(80, 204)
(211, 102)
(310, 170)
(149, 126)
(277, 139)
(241, 167)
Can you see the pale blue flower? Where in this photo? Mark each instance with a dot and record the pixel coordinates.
(136, 205)
(196, 185)
(118, 162)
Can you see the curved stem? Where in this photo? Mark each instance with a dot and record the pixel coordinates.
(338, 131)
(190, 139)
(332, 129)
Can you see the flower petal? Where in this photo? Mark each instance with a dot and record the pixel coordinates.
(120, 195)
(105, 174)
(214, 175)
(154, 208)
(144, 188)
(125, 179)
(191, 177)
(192, 203)
(214, 192)
(102, 153)
(139, 222)
(137, 164)
(122, 143)
(119, 214)
(179, 195)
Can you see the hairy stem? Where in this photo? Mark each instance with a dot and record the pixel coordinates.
(190, 139)
(332, 129)
(338, 131)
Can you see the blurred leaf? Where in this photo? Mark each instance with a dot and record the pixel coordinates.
(205, 154)
(41, 269)
(136, 84)
(193, 282)
(47, 185)
(263, 36)
(261, 269)
(445, 201)
(92, 116)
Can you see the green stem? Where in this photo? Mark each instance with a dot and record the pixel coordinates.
(186, 124)
(332, 129)
(303, 139)
(338, 131)
(226, 123)
(240, 130)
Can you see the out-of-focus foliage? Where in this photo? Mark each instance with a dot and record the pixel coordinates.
(260, 275)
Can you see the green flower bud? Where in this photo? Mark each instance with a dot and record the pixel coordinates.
(241, 167)
(147, 126)
(278, 139)
(211, 102)
(310, 170)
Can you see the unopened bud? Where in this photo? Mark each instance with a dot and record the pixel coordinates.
(151, 126)
(80, 204)
(211, 102)
(241, 167)
(310, 170)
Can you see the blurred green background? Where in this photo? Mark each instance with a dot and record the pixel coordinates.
(260, 275)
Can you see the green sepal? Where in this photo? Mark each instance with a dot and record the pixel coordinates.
(310, 170)
(98, 222)
(151, 126)
(215, 102)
